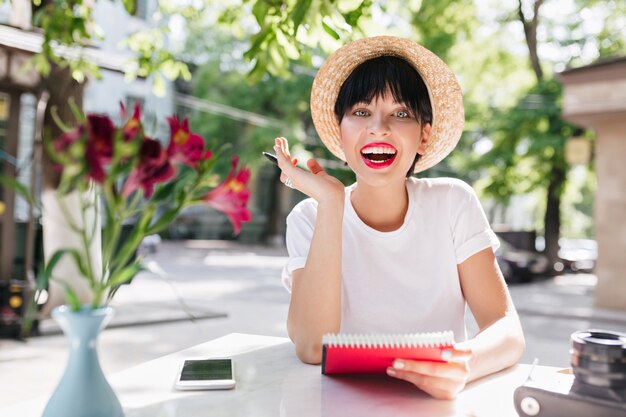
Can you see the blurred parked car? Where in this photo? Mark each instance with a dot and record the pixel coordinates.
(520, 265)
(577, 255)
(149, 244)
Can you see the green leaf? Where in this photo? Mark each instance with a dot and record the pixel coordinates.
(257, 41)
(164, 221)
(130, 6)
(79, 261)
(164, 191)
(71, 297)
(288, 47)
(125, 275)
(257, 72)
(259, 10)
(76, 110)
(58, 121)
(20, 188)
(330, 31)
(46, 273)
(302, 7)
(135, 236)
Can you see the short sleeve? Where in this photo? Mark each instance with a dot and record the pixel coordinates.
(471, 231)
(300, 225)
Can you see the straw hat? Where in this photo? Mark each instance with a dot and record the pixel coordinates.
(444, 90)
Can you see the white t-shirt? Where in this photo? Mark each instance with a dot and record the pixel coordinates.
(404, 281)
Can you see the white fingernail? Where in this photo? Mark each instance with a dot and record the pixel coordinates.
(398, 365)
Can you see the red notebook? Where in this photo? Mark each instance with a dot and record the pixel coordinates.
(373, 353)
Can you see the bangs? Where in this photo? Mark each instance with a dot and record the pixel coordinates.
(380, 76)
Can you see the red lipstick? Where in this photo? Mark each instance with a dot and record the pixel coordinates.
(378, 155)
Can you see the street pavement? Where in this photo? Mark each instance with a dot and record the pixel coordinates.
(230, 287)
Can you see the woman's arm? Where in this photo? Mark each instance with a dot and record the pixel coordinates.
(315, 307)
(500, 342)
(498, 345)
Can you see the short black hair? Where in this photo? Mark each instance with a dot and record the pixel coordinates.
(375, 77)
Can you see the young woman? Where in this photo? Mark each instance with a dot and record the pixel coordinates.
(393, 253)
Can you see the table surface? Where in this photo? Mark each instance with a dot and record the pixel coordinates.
(271, 381)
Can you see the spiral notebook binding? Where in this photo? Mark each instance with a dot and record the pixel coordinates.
(434, 339)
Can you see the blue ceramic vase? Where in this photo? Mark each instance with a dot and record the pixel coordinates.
(83, 390)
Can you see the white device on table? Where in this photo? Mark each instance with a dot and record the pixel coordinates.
(214, 373)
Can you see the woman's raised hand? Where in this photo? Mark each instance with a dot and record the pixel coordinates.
(316, 183)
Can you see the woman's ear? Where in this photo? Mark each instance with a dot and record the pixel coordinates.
(425, 135)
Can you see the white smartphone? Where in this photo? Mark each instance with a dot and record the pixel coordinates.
(214, 373)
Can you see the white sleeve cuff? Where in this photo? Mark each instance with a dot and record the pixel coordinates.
(292, 265)
(486, 238)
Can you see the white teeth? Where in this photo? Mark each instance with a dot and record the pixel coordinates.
(379, 150)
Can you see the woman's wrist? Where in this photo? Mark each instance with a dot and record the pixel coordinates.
(331, 203)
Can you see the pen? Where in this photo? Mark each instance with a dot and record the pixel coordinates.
(271, 158)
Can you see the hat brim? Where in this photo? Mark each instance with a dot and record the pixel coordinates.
(444, 91)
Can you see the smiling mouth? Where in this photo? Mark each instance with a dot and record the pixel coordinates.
(378, 154)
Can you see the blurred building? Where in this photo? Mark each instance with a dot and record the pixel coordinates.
(594, 99)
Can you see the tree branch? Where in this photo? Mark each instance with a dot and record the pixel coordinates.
(530, 32)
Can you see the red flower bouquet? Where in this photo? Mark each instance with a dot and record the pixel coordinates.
(137, 178)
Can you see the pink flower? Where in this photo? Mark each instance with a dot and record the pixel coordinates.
(154, 167)
(67, 139)
(185, 147)
(231, 196)
(99, 145)
(133, 125)
(62, 145)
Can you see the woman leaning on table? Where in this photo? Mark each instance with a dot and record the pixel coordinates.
(393, 253)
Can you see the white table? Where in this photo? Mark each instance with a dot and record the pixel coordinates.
(271, 381)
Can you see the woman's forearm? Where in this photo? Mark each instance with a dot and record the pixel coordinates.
(498, 346)
(315, 307)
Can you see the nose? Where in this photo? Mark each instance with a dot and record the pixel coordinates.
(378, 126)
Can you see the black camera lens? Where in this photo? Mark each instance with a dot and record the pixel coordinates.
(599, 358)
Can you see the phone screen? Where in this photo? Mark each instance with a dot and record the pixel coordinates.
(207, 370)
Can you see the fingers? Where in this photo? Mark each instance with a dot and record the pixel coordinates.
(281, 147)
(443, 380)
(457, 354)
(314, 166)
(439, 388)
(451, 370)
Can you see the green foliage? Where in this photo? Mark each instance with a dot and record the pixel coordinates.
(20, 188)
(593, 29)
(65, 23)
(578, 204)
(284, 101)
(152, 58)
(504, 104)
(441, 24)
(288, 28)
(70, 24)
(528, 140)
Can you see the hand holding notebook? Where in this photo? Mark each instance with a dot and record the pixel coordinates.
(373, 353)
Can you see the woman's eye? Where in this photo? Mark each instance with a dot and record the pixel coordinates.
(402, 114)
(360, 113)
